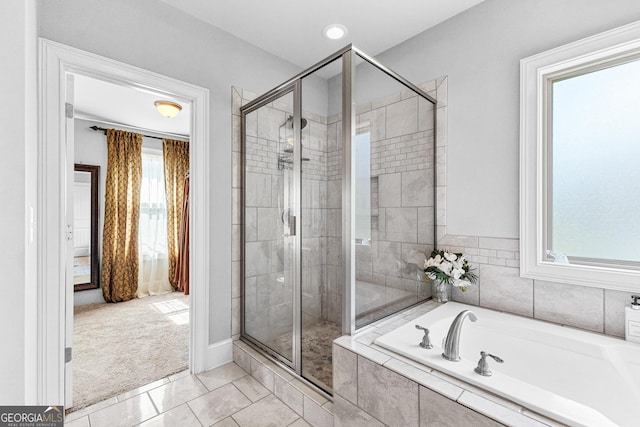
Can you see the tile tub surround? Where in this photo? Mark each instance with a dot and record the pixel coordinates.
(375, 387)
(572, 376)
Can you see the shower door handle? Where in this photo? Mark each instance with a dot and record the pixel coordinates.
(292, 225)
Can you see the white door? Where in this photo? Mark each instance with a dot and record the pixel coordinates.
(69, 208)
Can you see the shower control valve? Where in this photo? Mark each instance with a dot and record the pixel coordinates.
(426, 342)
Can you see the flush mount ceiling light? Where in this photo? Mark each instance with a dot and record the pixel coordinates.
(167, 108)
(335, 31)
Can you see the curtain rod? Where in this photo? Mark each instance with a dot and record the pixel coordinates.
(98, 128)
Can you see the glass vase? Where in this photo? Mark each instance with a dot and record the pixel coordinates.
(440, 291)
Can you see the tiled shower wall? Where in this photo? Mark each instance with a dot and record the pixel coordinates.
(268, 287)
(401, 131)
(319, 211)
(402, 166)
(333, 277)
(496, 259)
(268, 276)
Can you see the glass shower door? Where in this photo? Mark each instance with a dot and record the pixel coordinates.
(270, 228)
(321, 232)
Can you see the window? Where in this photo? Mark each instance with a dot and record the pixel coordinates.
(152, 233)
(580, 151)
(362, 196)
(595, 177)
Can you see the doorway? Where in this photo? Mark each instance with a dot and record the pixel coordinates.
(122, 346)
(55, 299)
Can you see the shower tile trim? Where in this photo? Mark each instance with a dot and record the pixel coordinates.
(468, 397)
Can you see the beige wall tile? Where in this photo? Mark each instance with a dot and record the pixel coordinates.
(437, 410)
(502, 288)
(579, 306)
(386, 395)
(345, 371)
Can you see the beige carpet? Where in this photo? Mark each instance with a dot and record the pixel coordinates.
(120, 347)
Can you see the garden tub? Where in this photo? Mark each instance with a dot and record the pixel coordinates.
(572, 376)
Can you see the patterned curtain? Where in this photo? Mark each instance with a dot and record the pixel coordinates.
(176, 166)
(182, 267)
(120, 262)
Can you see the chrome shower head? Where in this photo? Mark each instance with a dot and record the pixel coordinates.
(289, 122)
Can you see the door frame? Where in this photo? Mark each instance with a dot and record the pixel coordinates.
(55, 62)
(294, 88)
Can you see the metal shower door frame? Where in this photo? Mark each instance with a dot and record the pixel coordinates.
(295, 88)
(350, 56)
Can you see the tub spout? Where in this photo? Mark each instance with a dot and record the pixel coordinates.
(452, 341)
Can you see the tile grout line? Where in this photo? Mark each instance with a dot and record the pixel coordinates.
(248, 398)
(194, 414)
(202, 384)
(153, 404)
(249, 405)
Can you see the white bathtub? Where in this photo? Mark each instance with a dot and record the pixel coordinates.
(574, 377)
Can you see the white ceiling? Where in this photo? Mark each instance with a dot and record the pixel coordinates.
(104, 101)
(292, 29)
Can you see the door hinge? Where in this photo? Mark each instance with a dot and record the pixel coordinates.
(67, 355)
(68, 110)
(69, 233)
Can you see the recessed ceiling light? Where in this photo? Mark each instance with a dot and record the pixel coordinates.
(335, 31)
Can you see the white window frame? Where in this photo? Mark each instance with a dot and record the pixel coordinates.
(537, 74)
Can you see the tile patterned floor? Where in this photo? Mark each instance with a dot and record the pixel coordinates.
(222, 397)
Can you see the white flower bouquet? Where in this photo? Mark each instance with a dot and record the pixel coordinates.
(449, 268)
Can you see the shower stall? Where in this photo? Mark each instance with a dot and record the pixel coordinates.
(338, 207)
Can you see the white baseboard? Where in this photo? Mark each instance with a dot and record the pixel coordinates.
(219, 353)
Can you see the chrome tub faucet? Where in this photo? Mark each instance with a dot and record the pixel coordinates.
(451, 344)
(483, 365)
(426, 342)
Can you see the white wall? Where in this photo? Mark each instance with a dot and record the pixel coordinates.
(154, 36)
(18, 122)
(479, 50)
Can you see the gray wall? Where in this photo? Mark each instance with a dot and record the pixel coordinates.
(479, 50)
(156, 37)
